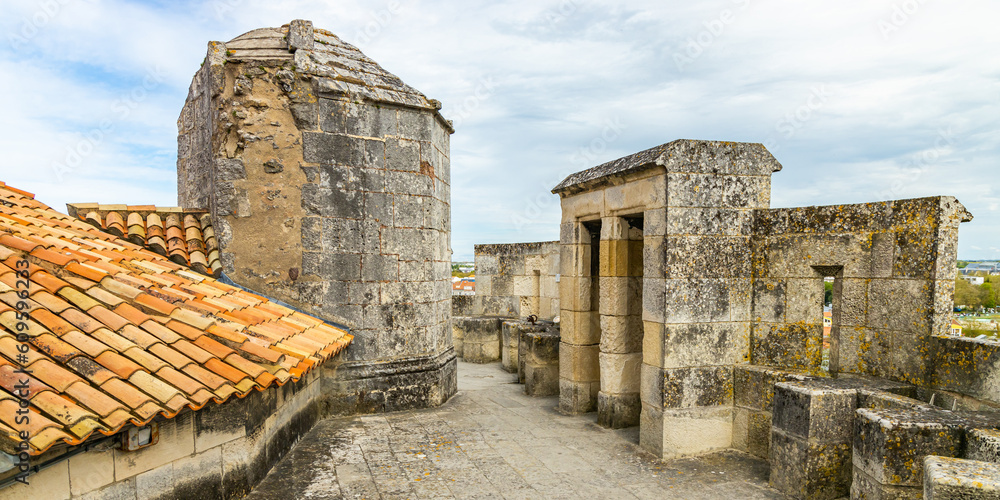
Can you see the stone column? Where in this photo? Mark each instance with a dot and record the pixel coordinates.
(579, 372)
(621, 335)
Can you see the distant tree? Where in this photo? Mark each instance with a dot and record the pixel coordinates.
(993, 285)
(962, 264)
(989, 300)
(828, 292)
(967, 294)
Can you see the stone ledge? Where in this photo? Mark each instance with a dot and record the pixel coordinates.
(953, 479)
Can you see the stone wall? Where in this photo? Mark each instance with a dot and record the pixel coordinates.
(517, 280)
(329, 189)
(220, 451)
(966, 366)
(727, 281)
(693, 204)
(895, 269)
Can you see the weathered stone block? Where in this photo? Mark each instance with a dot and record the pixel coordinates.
(696, 301)
(890, 445)
(621, 334)
(580, 328)
(786, 345)
(653, 299)
(479, 330)
(382, 268)
(691, 431)
(864, 487)
(503, 285)
(579, 363)
(815, 410)
(984, 445)
(416, 125)
(541, 345)
(802, 468)
(752, 431)
(300, 35)
(753, 386)
(956, 479)
(510, 332)
(480, 352)
(541, 380)
(697, 387)
(576, 397)
(804, 301)
(703, 344)
(694, 190)
(768, 300)
(526, 285)
(331, 202)
(334, 266)
(618, 411)
(614, 296)
(461, 305)
(321, 147)
(651, 385)
(230, 169)
(967, 366)
(619, 373)
(883, 311)
(652, 343)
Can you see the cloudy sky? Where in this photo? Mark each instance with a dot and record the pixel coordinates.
(860, 100)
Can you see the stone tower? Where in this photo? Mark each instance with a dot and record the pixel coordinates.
(328, 181)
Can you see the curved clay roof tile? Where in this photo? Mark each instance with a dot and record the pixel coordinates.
(173, 220)
(135, 219)
(190, 221)
(114, 220)
(94, 219)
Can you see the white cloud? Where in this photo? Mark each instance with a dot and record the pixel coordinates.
(561, 70)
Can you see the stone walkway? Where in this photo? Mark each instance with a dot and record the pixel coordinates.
(492, 441)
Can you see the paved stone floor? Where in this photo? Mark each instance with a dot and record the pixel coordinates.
(492, 441)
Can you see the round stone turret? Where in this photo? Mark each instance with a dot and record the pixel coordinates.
(328, 181)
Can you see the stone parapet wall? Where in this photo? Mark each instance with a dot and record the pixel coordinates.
(894, 264)
(517, 280)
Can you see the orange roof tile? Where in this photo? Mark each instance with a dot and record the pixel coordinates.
(119, 333)
(91, 370)
(188, 238)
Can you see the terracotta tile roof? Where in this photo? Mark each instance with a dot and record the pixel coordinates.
(118, 334)
(184, 236)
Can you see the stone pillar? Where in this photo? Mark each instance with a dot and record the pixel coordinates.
(329, 190)
(579, 370)
(811, 439)
(620, 308)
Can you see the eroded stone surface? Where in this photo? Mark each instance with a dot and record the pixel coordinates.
(328, 179)
(492, 441)
(956, 479)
